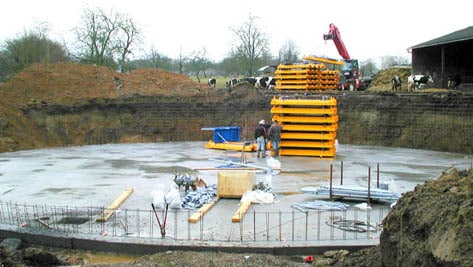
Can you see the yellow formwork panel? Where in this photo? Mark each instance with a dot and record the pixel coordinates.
(307, 88)
(302, 66)
(305, 119)
(308, 111)
(308, 144)
(309, 77)
(291, 87)
(283, 73)
(308, 136)
(304, 71)
(306, 82)
(299, 77)
(324, 60)
(310, 127)
(328, 153)
(309, 124)
(332, 101)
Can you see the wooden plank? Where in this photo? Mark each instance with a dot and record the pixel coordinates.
(238, 215)
(107, 213)
(200, 212)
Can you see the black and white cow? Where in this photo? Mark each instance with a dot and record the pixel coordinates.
(231, 83)
(212, 82)
(396, 82)
(271, 83)
(266, 82)
(260, 82)
(419, 81)
(249, 80)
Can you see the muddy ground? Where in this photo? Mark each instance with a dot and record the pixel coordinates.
(42, 256)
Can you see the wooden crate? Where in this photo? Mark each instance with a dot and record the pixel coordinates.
(232, 184)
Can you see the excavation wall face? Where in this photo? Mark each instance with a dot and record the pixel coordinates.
(433, 121)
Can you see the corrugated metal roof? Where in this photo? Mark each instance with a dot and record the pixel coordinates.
(457, 36)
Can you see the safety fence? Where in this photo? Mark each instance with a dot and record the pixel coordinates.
(287, 226)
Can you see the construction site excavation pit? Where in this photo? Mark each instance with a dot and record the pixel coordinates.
(65, 189)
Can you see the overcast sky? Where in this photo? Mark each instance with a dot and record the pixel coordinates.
(370, 29)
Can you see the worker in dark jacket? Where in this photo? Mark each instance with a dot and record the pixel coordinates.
(260, 136)
(274, 135)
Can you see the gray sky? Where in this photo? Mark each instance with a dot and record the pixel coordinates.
(370, 29)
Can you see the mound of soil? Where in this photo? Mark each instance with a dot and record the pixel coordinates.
(432, 225)
(382, 80)
(70, 82)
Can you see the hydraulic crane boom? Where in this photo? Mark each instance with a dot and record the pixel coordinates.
(350, 70)
(334, 34)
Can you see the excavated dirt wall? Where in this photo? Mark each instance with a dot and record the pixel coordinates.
(434, 121)
(440, 121)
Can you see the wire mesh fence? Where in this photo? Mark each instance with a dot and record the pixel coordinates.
(269, 226)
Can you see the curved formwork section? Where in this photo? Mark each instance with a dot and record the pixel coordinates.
(309, 125)
(307, 77)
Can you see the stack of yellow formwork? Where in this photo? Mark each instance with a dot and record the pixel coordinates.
(309, 126)
(308, 77)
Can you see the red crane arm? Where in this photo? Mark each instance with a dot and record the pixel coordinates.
(334, 34)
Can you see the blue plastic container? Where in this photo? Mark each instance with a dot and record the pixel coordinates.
(226, 134)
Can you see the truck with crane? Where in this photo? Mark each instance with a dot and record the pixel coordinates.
(350, 69)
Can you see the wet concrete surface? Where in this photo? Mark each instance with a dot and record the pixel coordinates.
(93, 176)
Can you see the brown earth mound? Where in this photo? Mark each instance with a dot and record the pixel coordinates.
(382, 80)
(69, 82)
(432, 225)
(66, 89)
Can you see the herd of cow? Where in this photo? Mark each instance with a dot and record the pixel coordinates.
(266, 82)
(415, 82)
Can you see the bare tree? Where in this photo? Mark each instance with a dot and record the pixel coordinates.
(289, 52)
(103, 37)
(128, 36)
(153, 58)
(252, 44)
(180, 62)
(198, 62)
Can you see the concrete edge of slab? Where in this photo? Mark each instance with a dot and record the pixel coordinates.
(142, 246)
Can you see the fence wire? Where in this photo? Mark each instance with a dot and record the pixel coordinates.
(279, 226)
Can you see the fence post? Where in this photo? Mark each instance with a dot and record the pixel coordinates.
(241, 227)
(377, 175)
(306, 224)
(331, 176)
(267, 226)
(369, 184)
(293, 224)
(254, 225)
(280, 226)
(176, 213)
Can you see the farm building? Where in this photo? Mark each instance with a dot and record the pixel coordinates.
(446, 57)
